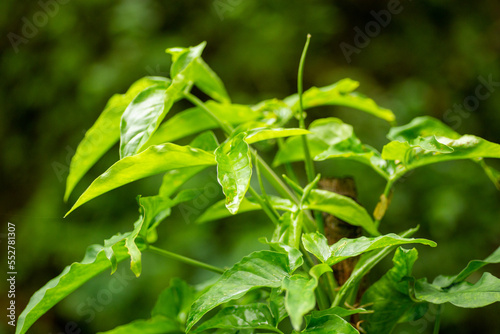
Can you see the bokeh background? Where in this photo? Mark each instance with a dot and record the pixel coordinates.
(57, 74)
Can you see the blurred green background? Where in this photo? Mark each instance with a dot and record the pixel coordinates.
(58, 73)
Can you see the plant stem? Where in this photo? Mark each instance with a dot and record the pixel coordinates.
(307, 155)
(227, 128)
(437, 322)
(264, 206)
(264, 194)
(387, 191)
(184, 259)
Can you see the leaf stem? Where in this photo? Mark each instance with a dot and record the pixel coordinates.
(228, 129)
(264, 206)
(308, 161)
(437, 322)
(185, 259)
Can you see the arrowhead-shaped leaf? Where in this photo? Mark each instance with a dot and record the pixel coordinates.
(155, 160)
(390, 296)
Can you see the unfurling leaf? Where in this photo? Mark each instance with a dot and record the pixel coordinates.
(234, 170)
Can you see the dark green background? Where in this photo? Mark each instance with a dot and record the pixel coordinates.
(53, 87)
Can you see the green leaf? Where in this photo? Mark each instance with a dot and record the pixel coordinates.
(428, 126)
(188, 63)
(275, 110)
(464, 294)
(208, 81)
(466, 147)
(424, 126)
(299, 299)
(154, 160)
(218, 210)
(336, 310)
(317, 244)
(330, 138)
(183, 58)
(169, 312)
(253, 316)
(331, 324)
(257, 135)
(194, 120)
(234, 170)
(342, 207)
(473, 266)
(346, 248)
(174, 179)
(340, 93)
(259, 269)
(390, 295)
(104, 133)
(175, 301)
(143, 116)
(366, 262)
(97, 259)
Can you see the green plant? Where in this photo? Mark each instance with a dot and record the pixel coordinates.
(294, 279)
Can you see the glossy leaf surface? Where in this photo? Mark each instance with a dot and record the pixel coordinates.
(143, 116)
(105, 132)
(343, 207)
(252, 316)
(341, 93)
(234, 170)
(72, 277)
(317, 244)
(155, 160)
(194, 120)
(259, 269)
